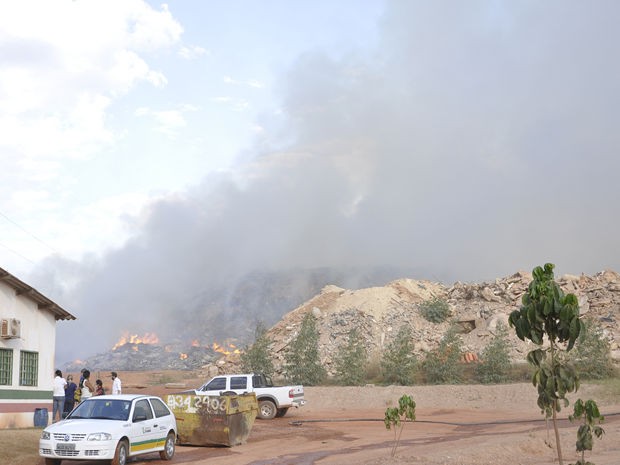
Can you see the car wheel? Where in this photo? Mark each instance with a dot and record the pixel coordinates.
(52, 461)
(266, 410)
(168, 451)
(281, 412)
(120, 455)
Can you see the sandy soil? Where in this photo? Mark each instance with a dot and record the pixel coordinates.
(464, 425)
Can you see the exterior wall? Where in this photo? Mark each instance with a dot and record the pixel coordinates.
(38, 334)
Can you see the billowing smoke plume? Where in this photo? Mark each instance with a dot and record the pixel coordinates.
(476, 141)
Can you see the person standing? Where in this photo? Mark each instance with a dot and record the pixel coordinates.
(99, 391)
(59, 396)
(70, 394)
(116, 384)
(82, 376)
(87, 388)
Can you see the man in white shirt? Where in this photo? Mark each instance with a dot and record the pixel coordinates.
(59, 396)
(116, 384)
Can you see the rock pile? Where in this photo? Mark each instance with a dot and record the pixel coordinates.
(378, 312)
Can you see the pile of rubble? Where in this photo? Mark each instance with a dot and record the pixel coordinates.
(140, 356)
(378, 312)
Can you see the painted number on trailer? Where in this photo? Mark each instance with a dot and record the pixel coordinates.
(194, 403)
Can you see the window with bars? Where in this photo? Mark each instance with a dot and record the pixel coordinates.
(28, 368)
(6, 367)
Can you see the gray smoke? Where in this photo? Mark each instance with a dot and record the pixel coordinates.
(477, 140)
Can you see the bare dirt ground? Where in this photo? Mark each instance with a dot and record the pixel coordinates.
(457, 425)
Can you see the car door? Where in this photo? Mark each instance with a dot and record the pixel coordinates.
(143, 432)
(164, 422)
(214, 387)
(239, 384)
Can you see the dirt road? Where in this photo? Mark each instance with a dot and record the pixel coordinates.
(460, 425)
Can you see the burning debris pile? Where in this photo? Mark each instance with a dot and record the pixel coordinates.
(377, 313)
(135, 353)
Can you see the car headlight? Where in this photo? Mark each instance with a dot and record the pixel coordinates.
(99, 437)
(45, 435)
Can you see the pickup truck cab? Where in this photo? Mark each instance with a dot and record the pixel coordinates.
(273, 401)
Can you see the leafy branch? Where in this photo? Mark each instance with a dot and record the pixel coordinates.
(589, 413)
(397, 417)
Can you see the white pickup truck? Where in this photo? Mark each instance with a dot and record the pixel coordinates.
(273, 401)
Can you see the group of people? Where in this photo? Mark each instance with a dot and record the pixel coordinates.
(67, 393)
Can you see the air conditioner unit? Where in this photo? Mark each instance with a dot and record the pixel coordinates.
(11, 328)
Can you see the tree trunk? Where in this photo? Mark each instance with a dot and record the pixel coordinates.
(557, 434)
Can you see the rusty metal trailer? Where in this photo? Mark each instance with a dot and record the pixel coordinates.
(213, 420)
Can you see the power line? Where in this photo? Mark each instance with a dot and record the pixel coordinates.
(16, 253)
(27, 232)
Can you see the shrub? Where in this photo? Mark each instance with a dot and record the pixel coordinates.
(443, 365)
(257, 357)
(435, 310)
(302, 361)
(590, 417)
(351, 362)
(396, 417)
(591, 354)
(494, 366)
(398, 361)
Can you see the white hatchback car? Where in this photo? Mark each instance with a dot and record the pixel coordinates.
(111, 428)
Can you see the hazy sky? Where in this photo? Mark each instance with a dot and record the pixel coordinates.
(147, 146)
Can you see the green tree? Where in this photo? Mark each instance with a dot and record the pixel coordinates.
(443, 365)
(257, 357)
(302, 360)
(398, 361)
(494, 365)
(591, 354)
(350, 363)
(547, 312)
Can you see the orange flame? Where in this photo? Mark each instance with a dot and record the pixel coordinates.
(182, 356)
(231, 349)
(195, 343)
(126, 338)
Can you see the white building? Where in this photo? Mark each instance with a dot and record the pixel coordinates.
(27, 351)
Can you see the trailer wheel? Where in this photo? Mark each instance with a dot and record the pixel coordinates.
(266, 410)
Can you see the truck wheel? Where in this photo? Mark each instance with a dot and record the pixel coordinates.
(266, 410)
(281, 412)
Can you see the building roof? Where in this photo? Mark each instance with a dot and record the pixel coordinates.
(43, 303)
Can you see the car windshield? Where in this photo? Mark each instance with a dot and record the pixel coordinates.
(102, 409)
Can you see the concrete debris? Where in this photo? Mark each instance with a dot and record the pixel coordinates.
(378, 312)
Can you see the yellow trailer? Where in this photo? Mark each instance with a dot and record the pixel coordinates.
(213, 420)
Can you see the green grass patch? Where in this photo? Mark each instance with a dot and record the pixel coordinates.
(607, 389)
